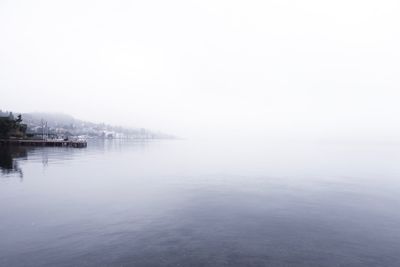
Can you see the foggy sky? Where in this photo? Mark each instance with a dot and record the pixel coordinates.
(247, 68)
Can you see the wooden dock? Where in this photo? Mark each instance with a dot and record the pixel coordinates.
(49, 142)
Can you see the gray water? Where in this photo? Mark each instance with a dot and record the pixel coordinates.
(186, 203)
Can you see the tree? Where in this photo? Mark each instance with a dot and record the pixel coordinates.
(5, 127)
(19, 120)
(12, 127)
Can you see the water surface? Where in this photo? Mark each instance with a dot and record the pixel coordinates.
(186, 203)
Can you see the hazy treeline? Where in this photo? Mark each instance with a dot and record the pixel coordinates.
(66, 125)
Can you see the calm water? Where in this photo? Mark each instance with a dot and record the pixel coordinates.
(186, 203)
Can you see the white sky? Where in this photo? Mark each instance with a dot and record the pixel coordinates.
(207, 67)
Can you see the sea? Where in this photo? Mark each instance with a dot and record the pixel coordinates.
(201, 203)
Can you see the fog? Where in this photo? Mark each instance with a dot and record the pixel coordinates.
(208, 68)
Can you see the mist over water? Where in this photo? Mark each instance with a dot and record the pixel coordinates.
(201, 203)
(287, 113)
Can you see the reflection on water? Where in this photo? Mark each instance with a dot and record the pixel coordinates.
(9, 157)
(182, 203)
